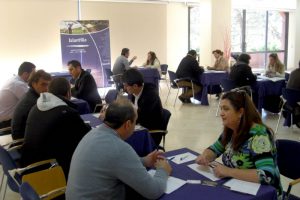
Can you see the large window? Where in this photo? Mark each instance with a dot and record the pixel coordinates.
(259, 33)
(194, 28)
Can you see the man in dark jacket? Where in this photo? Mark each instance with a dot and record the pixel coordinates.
(241, 72)
(85, 85)
(38, 83)
(190, 70)
(145, 97)
(53, 127)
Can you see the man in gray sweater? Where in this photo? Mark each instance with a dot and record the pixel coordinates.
(103, 163)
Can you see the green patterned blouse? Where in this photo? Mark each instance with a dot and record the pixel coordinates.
(258, 152)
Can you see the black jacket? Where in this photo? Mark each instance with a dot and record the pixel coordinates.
(189, 68)
(149, 108)
(242, 75)
(86, 89)
(52, 132)
(21, 113)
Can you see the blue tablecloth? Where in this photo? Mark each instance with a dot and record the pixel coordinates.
(64, 74)
(208, 79)
(196, 191)
(141, 141)
(265, 88)
(151, 75)
(82, 106)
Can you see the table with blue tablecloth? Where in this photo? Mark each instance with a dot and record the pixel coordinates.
(265, 88)
(197, 191)
(151, 75)
(82, 106)
(208, 79)
(141, 141)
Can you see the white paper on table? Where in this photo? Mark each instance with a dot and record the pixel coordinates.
(138, 127)
(274, 79)
(73, 98)
(243, 186)
(183, 158)
(96, 115)
(172, 182)
(214, 71)
(204, 170)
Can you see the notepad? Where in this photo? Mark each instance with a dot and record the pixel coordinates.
(204, 170)
(182, 158)
(173, 183)
(243, 186)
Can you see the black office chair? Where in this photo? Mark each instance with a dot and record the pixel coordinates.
(108, 75)
(164, 71)
(226, 85)
(290, 107)
(174, 85)
(5, 131)
(159, 135)
(288, 152)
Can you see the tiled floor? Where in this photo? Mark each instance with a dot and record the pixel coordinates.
(196, 127)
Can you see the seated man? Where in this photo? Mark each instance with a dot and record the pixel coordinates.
(54, 127)
(294, 80)
(12, 92)
(120, 66)
(38, 83)
(147, 101)
(189, 69)
(85, 85)
(103, 163)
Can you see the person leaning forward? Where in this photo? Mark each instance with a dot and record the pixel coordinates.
(103, 163)
(190, 70)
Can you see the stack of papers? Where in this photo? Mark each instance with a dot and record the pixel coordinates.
(139, 127)
(172, 183)
(182, 158)
(204, 170)
(243, 186)
(274, 79)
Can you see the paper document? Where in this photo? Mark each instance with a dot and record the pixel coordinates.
(204, 170)
(214, 71)
(243, 186)
(182, 158)
(139, 127)
(172, 183)
(274, 79)
(73, 98)
(96, 115)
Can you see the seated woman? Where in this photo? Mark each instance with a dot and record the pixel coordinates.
(152, 61)
(221, 63)
(247, 145)
(275, 67)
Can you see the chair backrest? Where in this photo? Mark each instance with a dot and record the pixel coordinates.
(288, 152)
(164, 69)
(166, 117)
(227, 85)
(172, 76)
(27, 192)
(111, 96)
(108, 73)
(9, 164)
(292, 96)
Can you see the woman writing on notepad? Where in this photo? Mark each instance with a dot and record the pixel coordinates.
(247, 145)
(152, 61)
(275, 67)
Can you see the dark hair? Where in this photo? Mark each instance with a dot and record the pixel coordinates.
(133, 76)
(235, 56)
(153, 57)
(244, 58)
(26, 67)
(218, 51)
(124, 51)
(59, 86)
(36, 76)
(75, 63)
(192, 52)
(118, 112)
(240, 99)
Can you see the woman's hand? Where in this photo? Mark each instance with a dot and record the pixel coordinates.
(220, 171)
(202, 160)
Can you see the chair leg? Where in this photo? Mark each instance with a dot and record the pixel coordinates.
(2, 178)
(168, 95)
(218, 107)
(4, 192)
(193, 90)
(278, 121)
(164, 141)
(176, 97)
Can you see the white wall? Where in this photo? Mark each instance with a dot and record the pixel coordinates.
(177, 34)
(30, 30)
(297, 34)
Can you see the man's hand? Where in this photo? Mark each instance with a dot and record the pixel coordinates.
(152, 157)
(163, 163)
